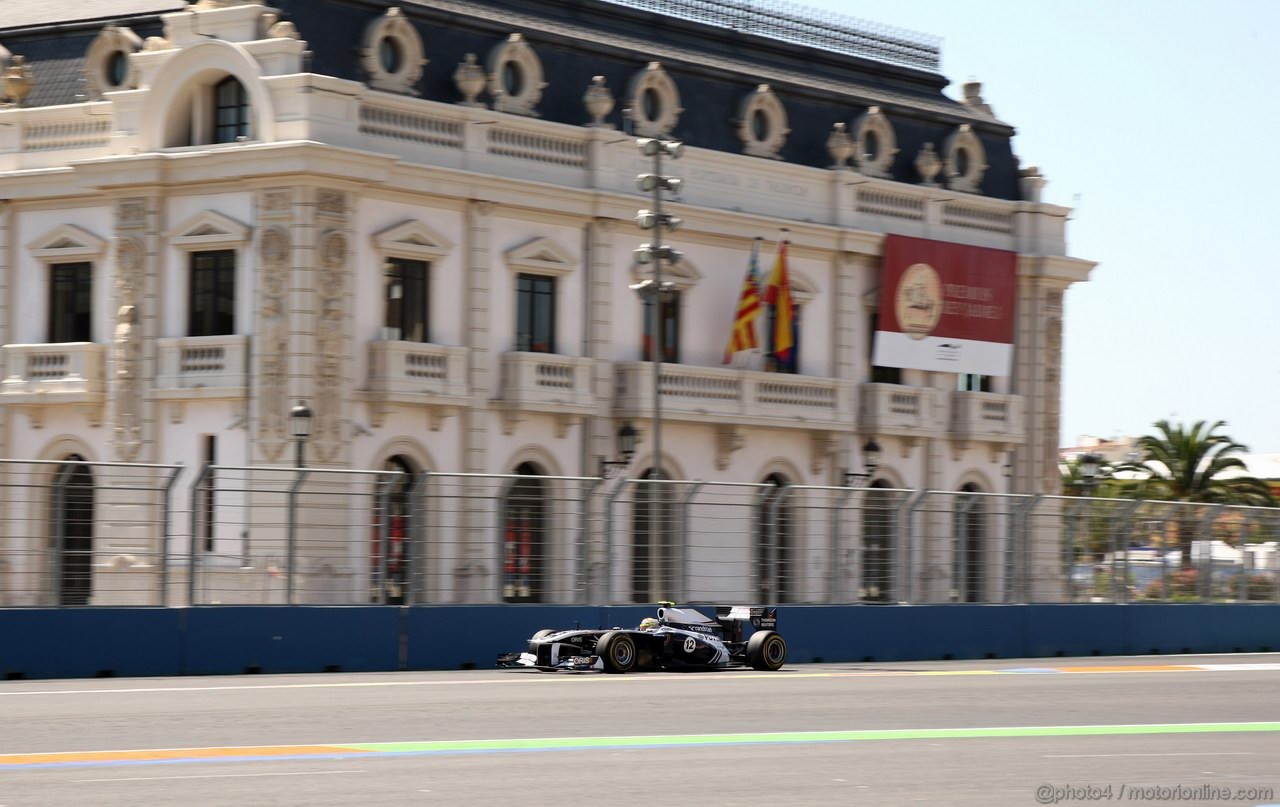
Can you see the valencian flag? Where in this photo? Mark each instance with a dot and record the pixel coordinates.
(744, 322)
(777, 293)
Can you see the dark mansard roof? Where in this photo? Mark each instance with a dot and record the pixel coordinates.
(713, 66)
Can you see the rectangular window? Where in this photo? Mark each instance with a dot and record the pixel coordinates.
(406, 283)
(970, 382)
(669, 316)
(71, 303)
(880, 375)
(213, 294)
(535, 314)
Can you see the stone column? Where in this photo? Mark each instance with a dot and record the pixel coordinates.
(601, 441)
(129, 547)
(474, 569)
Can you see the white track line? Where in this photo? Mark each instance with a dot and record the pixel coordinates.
(213, 776)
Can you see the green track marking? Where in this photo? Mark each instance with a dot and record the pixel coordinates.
(782, 738)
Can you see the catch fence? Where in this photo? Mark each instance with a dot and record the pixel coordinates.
(86, 534)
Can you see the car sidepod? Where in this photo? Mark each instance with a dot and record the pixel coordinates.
(687, 649)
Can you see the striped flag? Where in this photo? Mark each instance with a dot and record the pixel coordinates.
(744, 323)
(777, 293)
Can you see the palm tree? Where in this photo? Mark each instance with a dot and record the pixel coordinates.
(1188, 465)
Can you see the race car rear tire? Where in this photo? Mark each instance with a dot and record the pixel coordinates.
(617, 650)
(543, 634)
(766, 650)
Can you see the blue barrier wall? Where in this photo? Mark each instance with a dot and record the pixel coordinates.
(87, 642)
(280, 639)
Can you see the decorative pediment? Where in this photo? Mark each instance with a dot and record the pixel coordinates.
(206, 230)
(541, 256)
(684, 274)
(412, 239)
(871, 299)
(67, 242)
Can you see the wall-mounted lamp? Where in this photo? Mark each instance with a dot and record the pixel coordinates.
(626, 450)
(870, 461)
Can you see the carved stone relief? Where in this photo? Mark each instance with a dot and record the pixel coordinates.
(331, 282)
(273, 350)
(127, 360)
(1052, 362)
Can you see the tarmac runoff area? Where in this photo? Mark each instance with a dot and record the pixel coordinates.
(1190, 730)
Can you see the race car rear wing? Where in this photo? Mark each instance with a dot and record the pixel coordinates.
(732, 617)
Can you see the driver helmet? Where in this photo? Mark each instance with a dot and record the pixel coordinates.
(648, 623)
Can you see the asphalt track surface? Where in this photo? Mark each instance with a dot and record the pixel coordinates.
(1184, 730)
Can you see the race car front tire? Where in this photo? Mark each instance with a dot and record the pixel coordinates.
(543, 634)
(618, 652)
(766, 650)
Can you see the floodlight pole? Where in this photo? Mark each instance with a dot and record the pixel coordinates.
(655, 470)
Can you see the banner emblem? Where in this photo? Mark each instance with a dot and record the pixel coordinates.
(918, 302)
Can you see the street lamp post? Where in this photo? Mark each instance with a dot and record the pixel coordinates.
(654, 290)
(300, 428)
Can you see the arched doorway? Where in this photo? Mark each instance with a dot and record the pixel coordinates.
(525, 521)
(774, 544)
(390, 570)
(71, 517)
(654, 554)
(969, 565)
(879, 524)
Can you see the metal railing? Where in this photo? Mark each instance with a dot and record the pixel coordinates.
(76, 533)
(802, 25)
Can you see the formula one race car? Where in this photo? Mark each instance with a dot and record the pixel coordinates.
(679, 639)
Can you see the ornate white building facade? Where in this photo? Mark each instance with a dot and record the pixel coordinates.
(211, 213)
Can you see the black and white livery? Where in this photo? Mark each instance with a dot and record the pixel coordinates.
(678, 639)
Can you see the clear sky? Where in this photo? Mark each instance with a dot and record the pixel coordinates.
(1160, 123)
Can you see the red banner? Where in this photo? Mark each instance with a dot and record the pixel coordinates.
(946, 307)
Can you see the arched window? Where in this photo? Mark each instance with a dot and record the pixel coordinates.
(879, 524)
(654, 554)
(390, 570)
(230, 111)
(71, 519)
(775, 550)
(968, 563)
(525, 524)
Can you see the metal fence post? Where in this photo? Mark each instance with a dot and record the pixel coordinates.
(292, 550)
(685, 501)
(584, 540)
(608, 539)
(382, 501)
(1246, 557)
(1078, 504)
(1018, 580)
(774, 564)
(1122, 521)
(60, 530)
(164, 535)
(835, 575)
(414, 537)
(193, 551)
(905, 518)
(760, 536)
(1205, 532)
